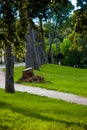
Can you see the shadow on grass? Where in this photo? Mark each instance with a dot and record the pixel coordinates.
(37, 115)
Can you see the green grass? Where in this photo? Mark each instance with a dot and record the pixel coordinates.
(60, 78)
(23, 111)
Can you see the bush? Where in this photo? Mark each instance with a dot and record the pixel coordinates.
(72, 53)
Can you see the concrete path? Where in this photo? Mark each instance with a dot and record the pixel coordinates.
(44, 92)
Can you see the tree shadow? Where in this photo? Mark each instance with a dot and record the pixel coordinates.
(37, 115)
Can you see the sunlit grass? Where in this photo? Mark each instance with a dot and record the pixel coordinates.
(23, 111)
(60, 78)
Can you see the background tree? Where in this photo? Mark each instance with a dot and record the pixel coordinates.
(50, 30)
(80, 28)
(72, 52)
(37, 9)
(58, 13)
(43, 10)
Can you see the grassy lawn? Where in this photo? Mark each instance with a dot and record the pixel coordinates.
(60, 78)
(23, 111)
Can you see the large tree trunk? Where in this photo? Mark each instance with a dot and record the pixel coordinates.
(36, 49)
(9, 77)
(31, 55)
(28, 59)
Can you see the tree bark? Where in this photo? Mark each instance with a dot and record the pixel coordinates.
(31, 55)
(50, 53)
(9, 77)
(28, 59)
(27, 73)
(37, 60)
(42, 45)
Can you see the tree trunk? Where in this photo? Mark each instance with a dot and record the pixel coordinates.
(42, 45)
(50, 53)
(37, 60)
(31, 55)
(9, 77)
(28, 59)
(27, 73)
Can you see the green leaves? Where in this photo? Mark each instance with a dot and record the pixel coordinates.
(81, 18)
(72, 51)
(64, 47)
(81, 23)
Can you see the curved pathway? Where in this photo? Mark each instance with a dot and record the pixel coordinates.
(44, 92)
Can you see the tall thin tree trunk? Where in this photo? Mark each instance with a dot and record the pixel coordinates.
(42, 45)
(50, 53)
(9, 77)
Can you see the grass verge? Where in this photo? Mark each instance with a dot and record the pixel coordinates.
(23, 111)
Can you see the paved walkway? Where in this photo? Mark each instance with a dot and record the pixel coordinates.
(44, 92)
